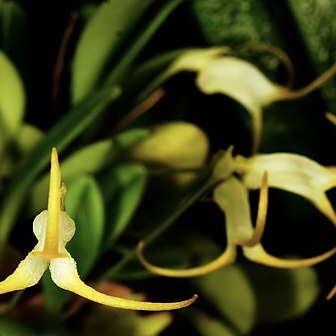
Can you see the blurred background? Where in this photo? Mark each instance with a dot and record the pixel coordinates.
(69, 57)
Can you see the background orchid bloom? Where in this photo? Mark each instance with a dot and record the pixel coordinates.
(332, 118)
(290, 172)
(54, 228)
(219, 72)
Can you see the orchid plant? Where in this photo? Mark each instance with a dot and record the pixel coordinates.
(133, 106)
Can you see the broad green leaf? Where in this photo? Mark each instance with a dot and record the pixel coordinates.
(105, 322)
(294, 291)
(84, 204)
(27, 137)
(131, 137)
(13, 327)
(13, 33)
(60, 136)
(227, 22)
(100, 40)
(317, 29)
(12, 100)
(230, 292)
(54, 296)
(122, 188)
(207, 325)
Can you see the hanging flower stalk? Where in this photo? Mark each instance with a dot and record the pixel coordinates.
(234, 177)
(54, 228)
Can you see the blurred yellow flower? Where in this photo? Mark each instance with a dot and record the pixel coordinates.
(234, 177)
(220, 72)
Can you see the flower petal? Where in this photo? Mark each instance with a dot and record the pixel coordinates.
(262, 214)
(196, 59)
(64, 274)
(240, 80)
(294, 173)
(243, 82)
(232, 197)
(259, 255)
(331, 293)
(226, 258)
(27, 274)
(224, 167)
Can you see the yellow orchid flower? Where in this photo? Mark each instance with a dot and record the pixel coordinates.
(235, 177)
(217, 71)
(54, 228)
(332, 118)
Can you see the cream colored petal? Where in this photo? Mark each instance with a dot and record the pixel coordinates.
(332, 293)
(27, 274)
(226, 258)
(196, 59)
(259, 255)
(262, 214)
(232, 197)
(239, 80)
(192, 60)
(243, 82)
(331, 117)
(224, 167)
(64, 274)
(294, 173)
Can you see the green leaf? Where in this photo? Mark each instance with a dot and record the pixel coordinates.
(12, 100)
(13, 33)
(10, 326)
(84, 204)
(317, 28)
(122, 188)
(227, 22)
(141, 40)
(100, 40)
(207, 325)
(294, 291)
(54, 297)
(230, 292)
(28, 136)
(106, 321)
(87, 160)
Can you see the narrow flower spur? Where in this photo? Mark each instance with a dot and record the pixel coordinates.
(54, 228)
